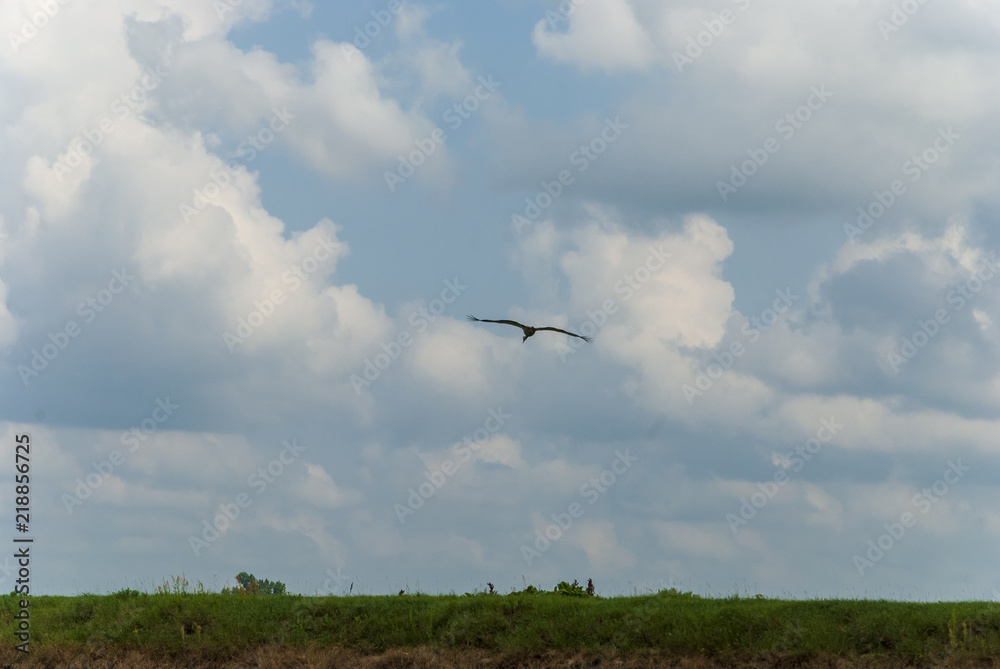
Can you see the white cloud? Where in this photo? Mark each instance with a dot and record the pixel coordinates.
(714, 542)
(308, 524)
(8, 324)
(598, 540)
(646, 297)
(222, 263)
(449, 359)
(338, 118)
(600, 35)
(320, 490)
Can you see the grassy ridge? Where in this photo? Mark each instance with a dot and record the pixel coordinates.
(669, 620)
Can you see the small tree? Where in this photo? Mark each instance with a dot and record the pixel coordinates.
(272, 587)
(249, 585)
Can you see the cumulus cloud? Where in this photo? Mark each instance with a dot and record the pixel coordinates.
(771, 56)
(334, 114)
(320, 490)
(198, 237)
(599, 35)
(597, 538)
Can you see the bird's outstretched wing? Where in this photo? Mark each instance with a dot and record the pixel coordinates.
(486, 320)
(586, 339)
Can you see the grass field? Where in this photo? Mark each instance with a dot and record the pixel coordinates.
(231, 630)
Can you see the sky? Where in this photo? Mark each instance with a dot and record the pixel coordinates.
(239, 241)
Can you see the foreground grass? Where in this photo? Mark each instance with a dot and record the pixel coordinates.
(669, 621)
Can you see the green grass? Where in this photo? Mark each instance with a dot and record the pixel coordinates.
(678, 622)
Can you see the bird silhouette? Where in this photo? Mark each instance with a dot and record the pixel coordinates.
(528, 330)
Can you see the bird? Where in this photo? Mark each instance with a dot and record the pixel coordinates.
(528, 330)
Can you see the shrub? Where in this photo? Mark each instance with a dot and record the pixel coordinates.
(574, 590)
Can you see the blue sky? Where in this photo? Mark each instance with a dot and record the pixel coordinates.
(238, 342)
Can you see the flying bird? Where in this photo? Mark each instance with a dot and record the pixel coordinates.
(528, 330)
